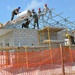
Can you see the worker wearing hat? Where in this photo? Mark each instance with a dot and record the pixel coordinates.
(67, 35)
(15, 12)
(46, 9)
(39, 12)
(35, 17)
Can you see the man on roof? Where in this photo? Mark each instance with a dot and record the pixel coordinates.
(35, 17)
(39, 12)
(46, 9)
(15, 12)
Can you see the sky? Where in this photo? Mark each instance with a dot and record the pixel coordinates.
(65, 6)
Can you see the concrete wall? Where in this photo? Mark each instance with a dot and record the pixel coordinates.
(20, 37)
(53, 36)
(62, 35)
(7, 39)
(25, 37)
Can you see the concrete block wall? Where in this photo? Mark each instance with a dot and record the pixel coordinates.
(25, 37)
(53, 36)
(20, 37)
(7, 39)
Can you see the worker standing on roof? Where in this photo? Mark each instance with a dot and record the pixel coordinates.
(35, 17)
(15, 12)
(46, 9)
(39, 12)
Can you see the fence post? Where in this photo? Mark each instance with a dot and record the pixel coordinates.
(62, 60)
(50, 45)
(7, 57)
(26, 56)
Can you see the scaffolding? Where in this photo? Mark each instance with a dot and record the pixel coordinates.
(50, 35)
(45, 35)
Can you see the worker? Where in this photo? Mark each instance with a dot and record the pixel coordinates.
(26, 24)
(15, 12)
(67, 35)
(46, 9)
(35, 17)
(39, 12)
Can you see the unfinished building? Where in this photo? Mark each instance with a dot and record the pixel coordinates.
(45, 51)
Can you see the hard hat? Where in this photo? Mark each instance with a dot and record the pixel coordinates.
(45, 5)
(39, 9)
(19, 7)
(67, 35)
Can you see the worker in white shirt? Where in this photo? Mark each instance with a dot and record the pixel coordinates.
(46, 9)
(39, 12)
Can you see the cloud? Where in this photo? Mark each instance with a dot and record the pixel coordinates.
(34, 4)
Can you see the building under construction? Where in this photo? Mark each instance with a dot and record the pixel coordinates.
(49, 50)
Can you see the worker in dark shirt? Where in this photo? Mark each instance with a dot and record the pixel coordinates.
(15, 12)
(35, 17)
(26, 24)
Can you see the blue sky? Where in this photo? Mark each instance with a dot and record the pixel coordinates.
(65, 6)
